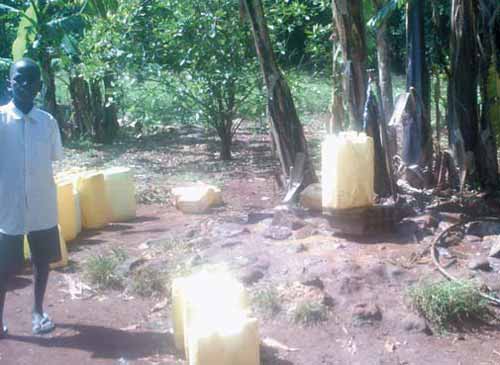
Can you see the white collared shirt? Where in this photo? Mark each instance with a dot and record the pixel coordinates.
(28, 145)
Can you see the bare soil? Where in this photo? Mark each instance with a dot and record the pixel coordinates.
(361, 281)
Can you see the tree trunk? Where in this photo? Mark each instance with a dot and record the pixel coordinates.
(437, 98)
(462, 85)
(226, 139)
(418, 78)
(110, 120)
(489, 86)
(384, 66)
(82, 106)
(286, 126)
(350, 24)
(97, 110)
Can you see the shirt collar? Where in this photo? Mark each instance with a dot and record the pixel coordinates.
(18, 113)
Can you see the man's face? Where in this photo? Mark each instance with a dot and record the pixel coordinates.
(25, 82)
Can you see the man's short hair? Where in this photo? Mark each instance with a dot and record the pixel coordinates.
(27, 61)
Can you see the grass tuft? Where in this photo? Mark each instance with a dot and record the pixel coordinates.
(448, 304)
(309, 313)
(100, 270)
(267, 301)
(148, 282)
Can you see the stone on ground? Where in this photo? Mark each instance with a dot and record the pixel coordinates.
(310, 198)
(495, 249)
(366, 314)
(480, 263)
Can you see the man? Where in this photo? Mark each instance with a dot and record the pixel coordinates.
(29, 142)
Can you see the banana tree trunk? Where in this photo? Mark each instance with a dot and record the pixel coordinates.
(82, 106)
(490, 95)
(286, 127)
(337, 119)
(350, 24)
(384, 66)
(49, 87)
(462, 85)
(418, 78)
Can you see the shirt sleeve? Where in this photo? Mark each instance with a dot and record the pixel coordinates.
(57, 152)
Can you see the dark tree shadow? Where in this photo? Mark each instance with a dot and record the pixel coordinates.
(106, 343)
(144, 219)
(116, 227)
(153, 230)
(269, 356)
(17, 282)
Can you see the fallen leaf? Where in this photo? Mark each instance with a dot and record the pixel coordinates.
(130, 328)
(159, 306)
(390, 346)
(76, 289)
(277, 345)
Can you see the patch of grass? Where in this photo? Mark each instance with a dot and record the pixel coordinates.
(100, 270)
(312, 93)
(148, 282)
(447, 304)
(119, 254)
(267, 301)
(172, 243)
(309, 313)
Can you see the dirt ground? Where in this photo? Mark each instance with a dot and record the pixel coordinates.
(362, 281)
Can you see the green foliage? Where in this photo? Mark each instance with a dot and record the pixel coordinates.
(148, 282)
(300, 32)
(100, 270)
(312, 93)
(151, 103)
(385, 12)
(267, 301)
(447, 304)
(198, 52)
(309, 313)
(43, 27)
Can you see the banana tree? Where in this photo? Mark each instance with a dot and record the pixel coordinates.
(40, 34)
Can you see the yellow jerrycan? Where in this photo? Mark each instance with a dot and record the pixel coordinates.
(347, 171)
(93, 200)
(120, 191)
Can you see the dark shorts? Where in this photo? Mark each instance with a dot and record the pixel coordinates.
(44, 248)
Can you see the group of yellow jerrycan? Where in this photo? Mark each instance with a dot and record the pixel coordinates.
(90, 199)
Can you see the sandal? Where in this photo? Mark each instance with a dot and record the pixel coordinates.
(42, 324)
(4, 332)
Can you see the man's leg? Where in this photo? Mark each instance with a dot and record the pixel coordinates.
(3, 291)
(11, 261)
(41, 276)
(45, 249)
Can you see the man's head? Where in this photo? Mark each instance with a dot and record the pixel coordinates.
(25, 81)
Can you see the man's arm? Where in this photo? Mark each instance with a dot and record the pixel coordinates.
(57, 152)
